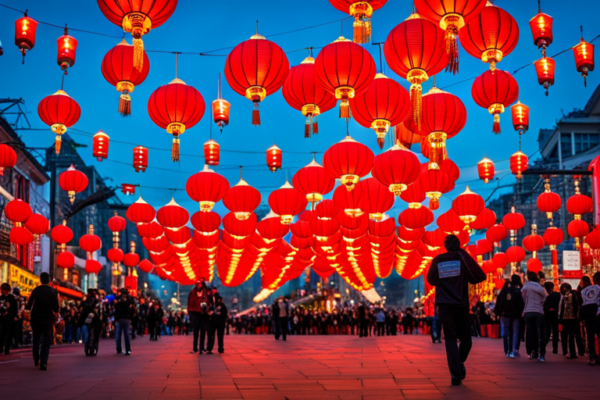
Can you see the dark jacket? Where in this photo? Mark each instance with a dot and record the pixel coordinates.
(220, 313)
(551, 305)
(196, 298)
(276, 311)
(43, 303)
(510, 302)
(451, 273)
(8, 307)
(124, 308)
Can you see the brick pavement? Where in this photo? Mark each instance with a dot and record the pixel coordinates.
(308, 367)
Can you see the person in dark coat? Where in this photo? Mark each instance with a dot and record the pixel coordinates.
(551, 315)
(155, 315)
(8, 316)
(43, 305)
(220, 321)
(124, 311)
(509, 306)
(281, 313)
(198, 302)
(451, 274)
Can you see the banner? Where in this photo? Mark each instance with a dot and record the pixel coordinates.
(24, 280)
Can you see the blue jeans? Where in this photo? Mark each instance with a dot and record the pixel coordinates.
(511, 329)
(123, 327)
(84, 333)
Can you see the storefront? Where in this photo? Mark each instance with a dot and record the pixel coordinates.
(18, 277)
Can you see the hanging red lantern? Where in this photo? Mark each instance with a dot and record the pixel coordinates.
(491, 35)
(518, 164)
(544, 67)
(362, 12)
(221, 109)
(579, 204)
(513, 221)
(140, 158)
(115, 255)
(20, 236)
(335, 71)
(127, 189)
(553, 237)
(206, 222)
(314, 181)
(415, 218)
(541, 29)
(138, 18)
(37, 224)
(207, 188)
(176, 107)
(90, 242)
(150, 229)
(100, 146)
(584, 58)
(65, 260)
(468, 206)
(239, 227)
(396, 168)
(406, 136)
(500, 260)
(377, 199)
(140, 212)
(255, 69)
(534, 265)
(118, 70)
(384, 104)
(515, 254)
(495, 90)
(18, 211)
(242, 199)
(287, 202)
(496, 233)
(92, 267)
(593, 239)
(73, 181)
(8, 157)
(67, 46)
(60, 112)
(435, 182)
(451, 15)
(485, 220)
(274, 158)
(533, 242)
(349, 201)
(485, 168)
(211, 152)
(520, 117)
(578, 229)
(271, 227)
(450, 168)
(145, 266)
(548, 201)
(172, 215)
(61, 234)
(302, 92)
(117, 223)
(131, 260)
(348, 161)
(25, 28)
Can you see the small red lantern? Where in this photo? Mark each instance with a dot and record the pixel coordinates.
(578, 229)
(435, 182)
(496, 233)
(274, 158)
(67, 46)
(468, 206)
(100, 145)
(20, 235)
(485, 168)
(584, 58)
(520, 117)
(90, 242)
(500, 260)
(127, 189)
(553, 237)
(140, 211)
(62, 234)
(221, 109)
(533, 242)
(513, 221)
(172, 215)
(131, 260)
(377, 198)
(73, 181)
(65, 259)
(206, 222)
(25, 28)
(348, 161)
(485, 220)
(8, 157)
(18, 211)
(117, 223)
(534, 265)
(60, 112)
(515, 254)
(38, 224)
(548, 201)
(593, 239)
(92, 266)
(544, 67)
(579, 204)
(212, 152)
(140, 158)
(361, 10)
(145, 266)
(115, 255)
(415, 218)
(519, 163)
(207, 188)
(495, 90)
(541, 29)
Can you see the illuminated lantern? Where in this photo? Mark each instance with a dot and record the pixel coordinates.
(348, 161)
(211, 152)
(206, 222)
(541, 29)
(127, 189)
(242, 199)
(255, 69)
(140, 212)
(18, 211)
(362, 12)
(271, 228)
(534, 265)
(496, 233)
(65, 260)
(435, 182)
(176, 107)
(138, 18)
(485, 220)
(62, 234)
(553, 237)
(488, 267)
(513, 221)
(518, 164)
(145, 266)
(544, 67)
(73, 181)
(67, 46)
(468, 206)
(451, 223)
(491, 35)
(118, 70)
(90, 242)
(140, 158)
(406, 136)
(314, 181)
(349, 201)
(8, 157)
(150, 229)
(396, 168)
(415, 218)
(520, 117)
(500, 260)
(221, 109)
(172, 215)
(239, 227)
(415, 50)
(451, 15)
(20, 236)
(533, 242)
(336, 72)
(377, 199)
(92, 266)
(578, 229)
(384, 104)
(495, 90)
(450, 168)
(274, 158)
(515, 254)
(584, 58)
(302, 92)
(100, 146)
(37, 224)
(207, 188)
(115, 255)
(287, 202)
(579, 204)
(25, 28)
(59, 111)
(485, 168)
(548, 201)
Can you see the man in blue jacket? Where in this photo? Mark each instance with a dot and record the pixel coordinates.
(451, 274)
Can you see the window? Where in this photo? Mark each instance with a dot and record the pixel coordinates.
(565, 145)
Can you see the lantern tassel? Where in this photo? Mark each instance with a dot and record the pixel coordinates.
(307, 126)
(362, 30)
(138, 54)
(380, 142)
(434, 204)
(175, 149)
(57, 144)
(125, 104)
(345, 109)
(496, 127)
(416, 95)
(452, 49)
(315, 125)
(255, 115)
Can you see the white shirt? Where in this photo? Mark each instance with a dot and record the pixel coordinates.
(590, 294)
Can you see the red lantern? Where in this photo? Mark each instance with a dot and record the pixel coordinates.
(362, 12)
(140, 212)
(100, 145)
(515, 254)
(533, 243)
(140, 158)
(451, 15)
(67, 46)
(584, 58)
(349, 201)
(255, 69)
(500, 260)
(90, 242)
(239, 227)
(131, 260)
(396, 168)
(211, 152)
(548, 201)
(384, 104)
(73, 181)
(468, 206)
(92, 267)
(206, 222)
(150, 229)
(221, 109)
(377, 199)
(25, 28)
(553, 237)
(495, 90)
(37, 224)
(302, 92)
(18, 211)
(518, 164)
(271, 228)
(496, 233)
(520, 117)
(176, 107)
(578, 229)
(8, 157)
(118, 70)
(61, 234)
(348, 161)
(117, 224)
(491, 35)
(435, 182)
(172, 215)
(65, 260)
(115, 255)
(242, 199)
(485, 168)
(544, 67)
(287, 202)
(415, 50)
(145, 266)
(534, 265)
(406, 136)
(579, 204)
(207, 188)
(314, 181)
(336, 72)
(593, 239)
(513, 221)
(20, 236)
(415, 218)
(138, 18)
(541, 29)
(59, 111)
(451, 223)
(127, 189)
(486, 219)
(451, 169)
(274, 158)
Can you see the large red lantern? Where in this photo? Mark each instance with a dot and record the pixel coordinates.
(533, 242)
(274, 158)
(20, 236)
(396, 168)
(140, 158)
(60, 112)
(468, 206)
(140, 212)
(544, 67)
(25, 28)
(100, 145)
(302, 92)
(176, 107)
(485, 220)
(8, 157)
(207, 188)
(519, 163)
(553, 237)
(73, 181)
(491, 35)
(534, 265)
(435, 183)
(520, 117)
(18, 211)
(138, 18)
(415, 218)
(336, 72)
(118, 70)
(495, 90)
(579, 204)
(67, 46)
(361, 11)
(287, 202)
(384, 104)
(117, 223)
(515, 254)
(377, 199)
(212, 152)
(38, 224)
(172, 215)
(206, 222)
(593, 239)
(314, 181)
(541, 29)
(348, 161)
(584, 58)
(150, 230)
(255, 69)
(496, 233)
(115, 255)
(145, 266)
(578, 229)
(61, 234)
(242, 199)
(349, 201)
(239, 227)
(90, 242)
(485, 168)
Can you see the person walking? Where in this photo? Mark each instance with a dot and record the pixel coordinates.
(534, 296)
(8, 316)
(221, 315)
(211, 329)
(451, 274)
(155, 314)
(589, 294)
(380, 318)
(43, 306)
(509, 306)
(124, 311)
(197, 305)
(551, 315)
(362, 320)
(281, 311)
(568, 310)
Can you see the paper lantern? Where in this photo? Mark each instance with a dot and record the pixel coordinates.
(468, 206)
(593, 239)
(533, 243)
(495, 90)
(396, 168)
(172, 215)
(60, 112)
(18, 211)
(206, 222)
(115, 255)
(435, 182)
(221, 109)
(37, 224)
(61, 234)
(242, 199)
(140, 212)
(544, 67)
(377, 198)
(67, 47)
(520, 117)
(25, 29)
(65, 260)
(518, 164)
(131, 260)
(117, 223)
(500, 260)
(579, 204)
(207, 188)
(20, 236)
(145, 266)
(485, 169)
(314, 181)
(406, 136)
(150, 229)
(541, 29)
(92, 266)
(415, 218)
(548, 201)
(73, 181)
(90, 242)
(553, 237)
(362, 12)
(100, 145)
(349, 201)
(348, 161)
(578, 229)
(584, 58)
(515, 254)
(486, 219)
(127, 189)
(274, 158)
(451, 223)
(534, 265)
(496, 233)
(140, 158)
(239, 227)
(211, 152)
(8, 157)
(287, 202)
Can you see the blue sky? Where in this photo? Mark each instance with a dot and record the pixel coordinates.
(202, 26)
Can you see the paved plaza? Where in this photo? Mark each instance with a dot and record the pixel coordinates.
(304, 367)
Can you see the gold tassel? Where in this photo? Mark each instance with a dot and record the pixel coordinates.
(175, 149)
(362, 30)
(496, 127)
(138, 54)
(345, 109)
(57, 144)
(125, 105)
(434, 204)
(452, 49)
(416, 95)
(380, 142)
(255, 115)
